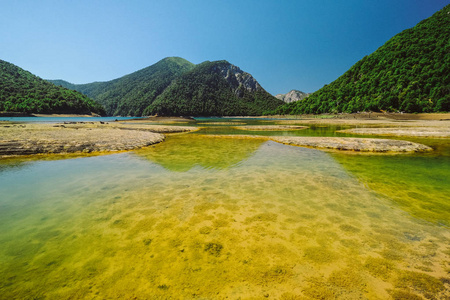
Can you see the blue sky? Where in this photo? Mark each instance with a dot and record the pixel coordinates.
(296, 44)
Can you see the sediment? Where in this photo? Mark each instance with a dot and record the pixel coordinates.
(72, 137)
(433, 132)
(354, 144)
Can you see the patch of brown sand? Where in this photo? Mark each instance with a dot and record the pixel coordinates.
(354, 144)
(73, 137)
(441, 132)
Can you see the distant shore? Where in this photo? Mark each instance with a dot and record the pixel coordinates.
(65, 115)
(370, 116)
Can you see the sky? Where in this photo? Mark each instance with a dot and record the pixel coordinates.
(284, 44)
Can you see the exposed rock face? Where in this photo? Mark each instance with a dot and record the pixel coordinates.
(238, 78)
(292, 96)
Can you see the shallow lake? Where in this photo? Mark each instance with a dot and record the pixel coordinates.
(210, 217)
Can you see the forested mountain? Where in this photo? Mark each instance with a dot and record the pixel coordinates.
(213, 89)
(410, 72)
(21, 91)
(131, 94)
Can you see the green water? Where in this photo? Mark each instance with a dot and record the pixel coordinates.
(200, 217)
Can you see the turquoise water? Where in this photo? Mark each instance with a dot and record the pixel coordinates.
(202, 217)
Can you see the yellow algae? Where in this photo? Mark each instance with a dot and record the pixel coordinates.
(282, 223)
(404, 295)
(181, 154)
(420, 283)
(320, 255)
(379, 267)
(263, 217)
(319, 289)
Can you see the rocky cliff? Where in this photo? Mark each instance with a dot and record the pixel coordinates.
(292, 96)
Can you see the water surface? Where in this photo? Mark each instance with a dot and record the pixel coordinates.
(198, 217)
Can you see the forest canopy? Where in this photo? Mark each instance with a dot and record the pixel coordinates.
(21, 91)
(410, 73)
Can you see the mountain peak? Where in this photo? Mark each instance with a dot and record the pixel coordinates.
(237, 78)
(292, 96)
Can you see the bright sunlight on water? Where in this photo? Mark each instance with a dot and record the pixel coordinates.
(211, 218)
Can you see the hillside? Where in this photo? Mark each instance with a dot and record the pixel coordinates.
(213, 89)
(21, 91)
(410, 73)
(131, 94)
(292, 96)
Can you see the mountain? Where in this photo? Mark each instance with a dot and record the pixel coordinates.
(292, 96)
(410, 72)
(21, 91)
(174, 86)
(213, 89)
(131, 94)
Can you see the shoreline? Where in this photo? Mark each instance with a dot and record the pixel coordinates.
(91, 137)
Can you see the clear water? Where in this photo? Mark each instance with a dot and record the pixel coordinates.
(200, 217)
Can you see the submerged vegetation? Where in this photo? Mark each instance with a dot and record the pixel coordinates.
(410, 73)
(199, 216)
(21, 91)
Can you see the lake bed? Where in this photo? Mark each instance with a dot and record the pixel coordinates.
(207, 217)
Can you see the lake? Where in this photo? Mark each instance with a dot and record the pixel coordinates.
(201, 216)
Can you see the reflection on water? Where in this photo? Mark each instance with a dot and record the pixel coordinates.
(284, 223)
(181, 153)
(419, 184)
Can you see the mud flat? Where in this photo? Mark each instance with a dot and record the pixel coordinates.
(28, 139)
(270, 127)
(439, 132)
(353, 144)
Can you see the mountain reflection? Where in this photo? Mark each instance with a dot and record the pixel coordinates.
(183, 152)
(417, 184)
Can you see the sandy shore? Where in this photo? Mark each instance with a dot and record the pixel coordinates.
(28, 139)
(73, 137)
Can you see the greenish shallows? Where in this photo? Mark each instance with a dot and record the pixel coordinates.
(214, 89)
(131, 94)
(410, 73)
(21, 91)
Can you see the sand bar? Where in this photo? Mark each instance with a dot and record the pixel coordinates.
(440, 132)
(354, 144)
(73, 137)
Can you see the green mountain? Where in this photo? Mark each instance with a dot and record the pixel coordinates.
(131, 94)
(21, 91)
(410, 72)
(213, 89)
(174, 86)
